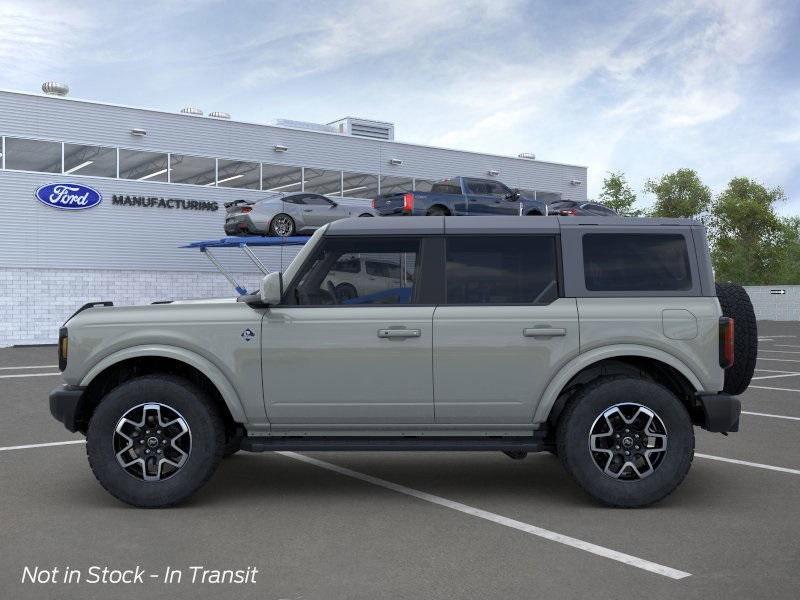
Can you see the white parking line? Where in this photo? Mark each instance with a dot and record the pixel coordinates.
(775, 371)
(29, 367)
(781, 351)
(495, 518)
(778, 359)
(787, 346)
(48, 444)
(776, 376)
(757, 414)
(749, 464)
(29, 375)
(763, 387)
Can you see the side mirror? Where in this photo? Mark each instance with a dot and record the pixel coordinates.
(334, 204)
(514, 195)
(272, 289)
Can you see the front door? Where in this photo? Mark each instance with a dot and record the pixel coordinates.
(344, 349)
(487, 198)
(502, 331)
(319, 210)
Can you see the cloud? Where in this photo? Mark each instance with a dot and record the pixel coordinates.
(35, 36)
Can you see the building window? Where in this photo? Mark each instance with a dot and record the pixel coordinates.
(280, 178)
(423, 185)
(143, 166)
(359, 185)
(90, 160)
(33, 155)
(325, 182)
(196, 170)
(396, 185)
(238, 174)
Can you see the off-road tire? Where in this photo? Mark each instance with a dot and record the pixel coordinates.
(573, 431)
(207, 440)
(736, 304)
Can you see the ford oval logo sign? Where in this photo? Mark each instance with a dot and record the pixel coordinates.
(68, 196)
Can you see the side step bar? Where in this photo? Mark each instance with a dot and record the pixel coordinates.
(534, 443)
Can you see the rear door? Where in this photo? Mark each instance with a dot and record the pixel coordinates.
(503, 330)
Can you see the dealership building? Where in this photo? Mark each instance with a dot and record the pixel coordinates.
(161, 180)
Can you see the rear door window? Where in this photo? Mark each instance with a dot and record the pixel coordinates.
(615, 262)
(501, 270)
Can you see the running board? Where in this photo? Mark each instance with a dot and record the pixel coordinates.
(534, 443)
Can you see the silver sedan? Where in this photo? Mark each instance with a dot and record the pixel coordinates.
(288, 214)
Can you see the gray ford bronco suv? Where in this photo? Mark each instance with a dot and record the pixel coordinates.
(601, 340)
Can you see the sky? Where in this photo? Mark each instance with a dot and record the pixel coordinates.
(639, 87)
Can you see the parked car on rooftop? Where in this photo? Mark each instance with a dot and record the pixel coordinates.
(571, 208)
(285, 214)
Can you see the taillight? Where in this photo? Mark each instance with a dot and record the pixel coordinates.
(568, 212)
(408, 202)
(246, 209)
(63, 347)
(726, 328)
(374, 201)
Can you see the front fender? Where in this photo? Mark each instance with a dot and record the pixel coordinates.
(580, 362)
(200, 363)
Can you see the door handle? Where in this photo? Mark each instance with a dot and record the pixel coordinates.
(399, 333)
(544, 331)
(307, 210)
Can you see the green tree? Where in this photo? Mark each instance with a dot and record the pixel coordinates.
(679, 195)
(618, 195)
(749, 239)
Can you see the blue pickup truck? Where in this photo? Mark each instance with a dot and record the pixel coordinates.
(461, 196)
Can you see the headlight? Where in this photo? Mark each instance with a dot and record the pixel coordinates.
(63, 347)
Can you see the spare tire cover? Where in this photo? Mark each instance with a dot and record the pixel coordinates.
(736, 304)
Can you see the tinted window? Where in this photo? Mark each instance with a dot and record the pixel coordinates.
(238, 174)
(335, 276)
(501, 270)
(636, 262)
(446, 187)
(143, 166)
(478, 187)
(394, 185)
(321, 181)
(279, 178)
(197, 170)
(299, 199)
(359, 185)
(90, 160)
(33, 155)
(317, 200)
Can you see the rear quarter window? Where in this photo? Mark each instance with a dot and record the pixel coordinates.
(630, 262)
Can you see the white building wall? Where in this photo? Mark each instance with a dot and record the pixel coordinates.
(771, 306)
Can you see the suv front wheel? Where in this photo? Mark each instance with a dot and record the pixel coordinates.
(627, 441)
(154, 440)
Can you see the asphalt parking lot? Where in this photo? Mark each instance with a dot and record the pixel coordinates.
(413, 525)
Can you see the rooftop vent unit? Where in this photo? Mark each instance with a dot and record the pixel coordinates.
(192, 110)
(219, 115)
(376, 130)
(303, 125)
(53, 88)
(527, 155)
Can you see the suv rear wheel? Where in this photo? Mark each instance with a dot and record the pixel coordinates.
(154, 440)
(627, 441)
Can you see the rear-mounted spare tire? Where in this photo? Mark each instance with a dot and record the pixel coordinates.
(736, 304)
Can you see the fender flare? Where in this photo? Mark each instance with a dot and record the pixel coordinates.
(206, 367)
(591, 357)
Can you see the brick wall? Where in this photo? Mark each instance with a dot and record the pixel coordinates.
(35, 302)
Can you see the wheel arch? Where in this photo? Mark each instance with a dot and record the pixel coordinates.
(640, 360)
(140, 360)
